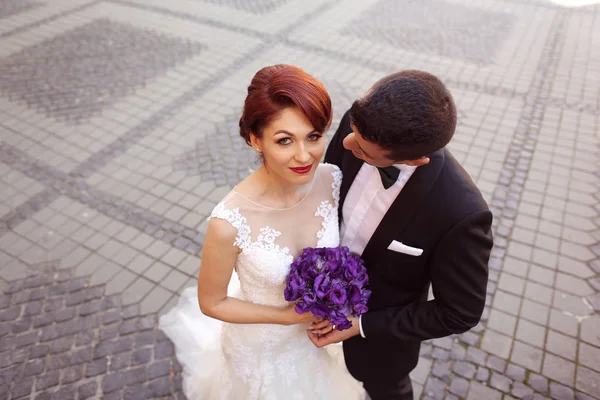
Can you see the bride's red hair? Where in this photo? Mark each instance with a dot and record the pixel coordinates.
(280, 86)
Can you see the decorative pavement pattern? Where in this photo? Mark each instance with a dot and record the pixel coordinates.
(118, 137)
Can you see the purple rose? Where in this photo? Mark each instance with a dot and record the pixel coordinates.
(354, 269)
(309, 297)
(290, 294)
(365, 293)
(354, 294)
(296, 282)
(336, 317)
(337, 294)
(309, 271)
(342, 326)
(360, 309)
(320, 310)
(321, 286)
(301, 307)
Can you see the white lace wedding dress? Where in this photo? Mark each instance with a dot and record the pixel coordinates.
(267, 362)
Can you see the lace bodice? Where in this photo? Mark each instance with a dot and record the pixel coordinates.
(269, 239)
(225, 361)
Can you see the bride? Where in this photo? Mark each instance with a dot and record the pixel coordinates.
(255, 345)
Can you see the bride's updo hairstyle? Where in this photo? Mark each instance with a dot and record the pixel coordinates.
(280, 86)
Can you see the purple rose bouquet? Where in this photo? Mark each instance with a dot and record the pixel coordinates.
(330, 283)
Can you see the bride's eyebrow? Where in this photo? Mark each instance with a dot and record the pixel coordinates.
(291, 134)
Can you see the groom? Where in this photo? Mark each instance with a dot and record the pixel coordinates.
(417, 219)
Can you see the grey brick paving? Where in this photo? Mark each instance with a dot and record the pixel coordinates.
(439, 27)
(102, 348)
(253, 6)
(9, 8)
(93, 249)
(86, 83)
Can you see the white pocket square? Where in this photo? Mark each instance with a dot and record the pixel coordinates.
(402, 248)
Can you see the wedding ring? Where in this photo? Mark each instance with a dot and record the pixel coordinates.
(332, 327)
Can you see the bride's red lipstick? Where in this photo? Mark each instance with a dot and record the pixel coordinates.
(302, 170)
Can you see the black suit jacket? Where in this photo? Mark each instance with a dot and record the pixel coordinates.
(441, 211)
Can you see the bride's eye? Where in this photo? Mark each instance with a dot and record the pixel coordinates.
(284, 141)
(315, 137)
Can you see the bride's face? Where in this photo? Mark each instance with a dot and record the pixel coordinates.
(291, 147)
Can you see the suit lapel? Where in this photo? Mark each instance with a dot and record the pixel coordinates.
(405, 205)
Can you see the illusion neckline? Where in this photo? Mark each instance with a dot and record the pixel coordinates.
(312, 184)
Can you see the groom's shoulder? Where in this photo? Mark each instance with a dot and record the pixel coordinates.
(457, 189)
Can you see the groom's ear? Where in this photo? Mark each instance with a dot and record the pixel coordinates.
(418, 162)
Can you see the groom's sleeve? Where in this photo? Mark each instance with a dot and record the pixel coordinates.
(335, 150)
(459, 275)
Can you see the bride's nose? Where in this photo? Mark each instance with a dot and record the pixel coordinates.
(302, 155)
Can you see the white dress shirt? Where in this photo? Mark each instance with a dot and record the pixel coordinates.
(366, 204)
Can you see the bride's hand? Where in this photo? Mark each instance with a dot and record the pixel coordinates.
(291, 317)
(322, 327)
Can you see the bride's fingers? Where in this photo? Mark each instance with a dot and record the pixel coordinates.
(323, 330)
(320, 325)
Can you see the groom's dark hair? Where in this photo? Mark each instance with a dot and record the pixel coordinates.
(410, 113)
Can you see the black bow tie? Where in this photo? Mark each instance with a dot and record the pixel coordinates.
(389, 176)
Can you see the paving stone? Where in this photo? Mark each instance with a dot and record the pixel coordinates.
(144, 338)
(478, 392)
(538, 383)
(483, 374)
(22, 387)
(535, 312)
(559, 369)
(531, 333)
(500, 382)
(587, 381)
(136, 392)
(87, 390)
(458, 352)
(440, 354)
(565, 324)
(520, 390)
(558, 391)
(496, 343)
(464, 369)
(72, 374)
(159, 369)
(143, 356)
(570, 304)
(112, 382)
(561, 345)
(459, 386)
(160, 387)
(434, 387)
(589, 330)
(527, 356)
(515, 372)
(47, 380)
(502, 322)
(163, 350)
(495, 363)
(34, 368)
(96, 367)
(589, 356)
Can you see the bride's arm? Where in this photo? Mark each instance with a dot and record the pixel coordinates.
(218, 260)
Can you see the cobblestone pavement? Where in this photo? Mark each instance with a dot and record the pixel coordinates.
(118, 137)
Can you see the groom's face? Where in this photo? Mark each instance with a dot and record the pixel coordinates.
(369, 152)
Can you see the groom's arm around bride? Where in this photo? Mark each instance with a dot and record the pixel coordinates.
(417, 219)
